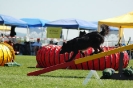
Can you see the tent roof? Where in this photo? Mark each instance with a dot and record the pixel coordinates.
(34, 22)
(71, 24)
(1, 21)
(11, 21)
(124, 21)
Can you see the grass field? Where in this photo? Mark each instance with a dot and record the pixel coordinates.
(16, 77)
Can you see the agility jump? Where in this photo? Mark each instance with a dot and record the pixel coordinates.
(80, 60)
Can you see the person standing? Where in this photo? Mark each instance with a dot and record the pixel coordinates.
(37, 45)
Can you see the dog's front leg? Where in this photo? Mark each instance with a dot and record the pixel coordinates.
(82, 53)
(100, 49)
(95, 51)
(73, 56)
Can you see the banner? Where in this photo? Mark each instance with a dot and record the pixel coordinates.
(54, 32)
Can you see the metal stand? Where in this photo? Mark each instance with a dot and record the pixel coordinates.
(119, 75)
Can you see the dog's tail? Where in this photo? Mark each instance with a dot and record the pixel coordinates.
(105, 30)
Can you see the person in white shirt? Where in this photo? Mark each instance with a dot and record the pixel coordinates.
(37, 45)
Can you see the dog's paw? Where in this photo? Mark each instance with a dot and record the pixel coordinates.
(91, 54)
(68, 60)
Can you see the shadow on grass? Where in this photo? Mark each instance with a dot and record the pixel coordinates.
(31, 67)
(62, 76)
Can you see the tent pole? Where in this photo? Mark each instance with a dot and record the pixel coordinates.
(67, 34)
(98, 27)
(120, 32)
(27, 34)
(42, 29)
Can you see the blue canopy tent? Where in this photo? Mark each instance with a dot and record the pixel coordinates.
(34, 23)
(72, 24)
(11, 21)
(1, 21)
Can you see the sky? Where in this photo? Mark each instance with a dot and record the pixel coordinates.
(89, 10)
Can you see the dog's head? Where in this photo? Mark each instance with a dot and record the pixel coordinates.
(105, 29)
(63, 48)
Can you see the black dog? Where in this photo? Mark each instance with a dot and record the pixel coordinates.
(92, 39)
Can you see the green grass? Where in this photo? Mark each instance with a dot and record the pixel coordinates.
(16, 77)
